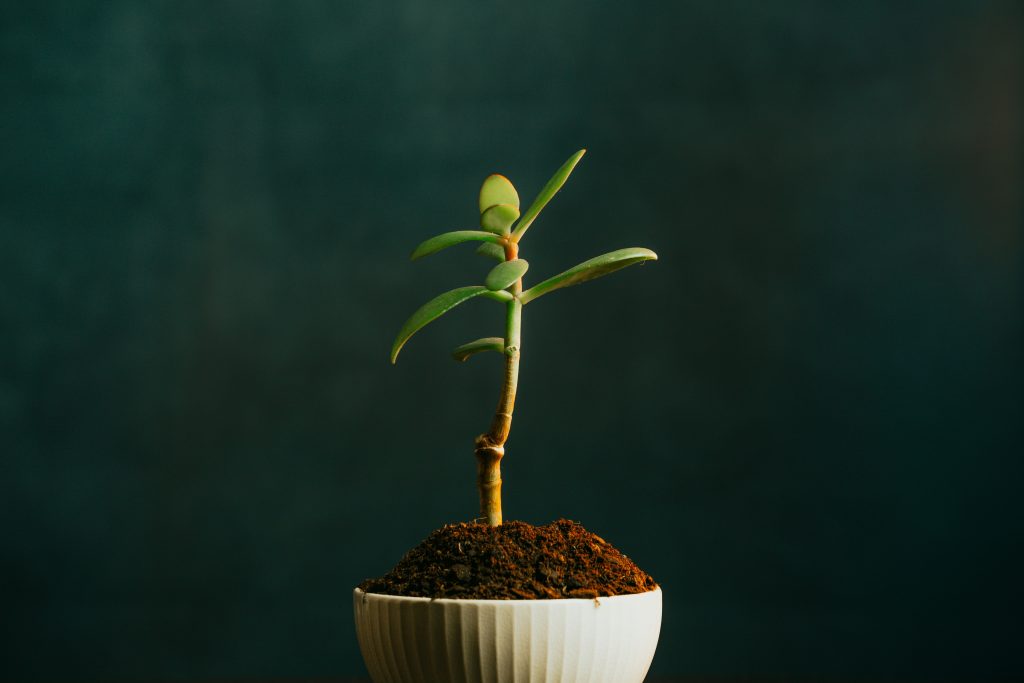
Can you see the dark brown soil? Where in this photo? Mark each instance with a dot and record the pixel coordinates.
(515, 561)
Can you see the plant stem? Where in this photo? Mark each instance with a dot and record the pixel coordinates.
(490, 446)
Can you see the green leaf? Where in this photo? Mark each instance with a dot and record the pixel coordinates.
(491, 250)
(588, 270)
(548, 191)
(431, 311)
(448, 239)
(504, 274)
(499, 218)
(501, 296)
(463, 352)
(497, 189)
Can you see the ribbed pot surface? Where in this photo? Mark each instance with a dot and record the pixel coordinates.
(418, 640)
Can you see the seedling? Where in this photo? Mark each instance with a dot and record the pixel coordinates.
(502, 230)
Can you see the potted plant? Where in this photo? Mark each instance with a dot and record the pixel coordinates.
(495, 602)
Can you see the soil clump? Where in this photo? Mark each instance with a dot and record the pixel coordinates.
(514, 561)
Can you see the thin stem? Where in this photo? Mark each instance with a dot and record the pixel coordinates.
(490, 446)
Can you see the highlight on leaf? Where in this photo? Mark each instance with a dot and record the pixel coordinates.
(504, 274)
(499, 218)
(596, 267)
(462, 353)
(432, 310)
(450, 239)
(497, 189)
(549, 190)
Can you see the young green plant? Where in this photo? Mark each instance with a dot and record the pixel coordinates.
(502, 229)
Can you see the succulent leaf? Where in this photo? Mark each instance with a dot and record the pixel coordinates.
(463, 352)
(491, 250)
(497, 189)
(449, 239)
(547, 192)
(588, 270)
(504, 274)
(431, 311)
(499, 218)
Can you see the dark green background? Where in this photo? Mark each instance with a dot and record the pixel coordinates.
(805, 420)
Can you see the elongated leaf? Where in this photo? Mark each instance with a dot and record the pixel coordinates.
(486, 344)
(548, 191)
(588, 270)
(499, 218)
(448, 239)
(491, 250)
(504, 274)
(431, 311)
(497, 189)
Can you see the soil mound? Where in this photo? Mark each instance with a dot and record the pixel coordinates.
(515, 561)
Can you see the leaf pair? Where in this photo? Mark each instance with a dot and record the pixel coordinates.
(502, 276)
(438, 306)
(499, 211)
(499, 201)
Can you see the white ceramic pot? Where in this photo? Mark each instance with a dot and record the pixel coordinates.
(419, 640)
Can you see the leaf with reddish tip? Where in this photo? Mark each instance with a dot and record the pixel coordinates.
(449, 239)
(499, 218)
(588, 270)
(491, 250)
(463, 352)
(497, 189)
(504, 274)
(432, 310)
(547, 192)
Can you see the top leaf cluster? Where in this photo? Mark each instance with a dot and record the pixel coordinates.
(502, 226)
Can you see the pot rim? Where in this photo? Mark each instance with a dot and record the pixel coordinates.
(358, 592)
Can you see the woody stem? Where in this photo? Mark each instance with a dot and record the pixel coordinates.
(490, 446)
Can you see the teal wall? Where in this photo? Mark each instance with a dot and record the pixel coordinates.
(805, 420)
